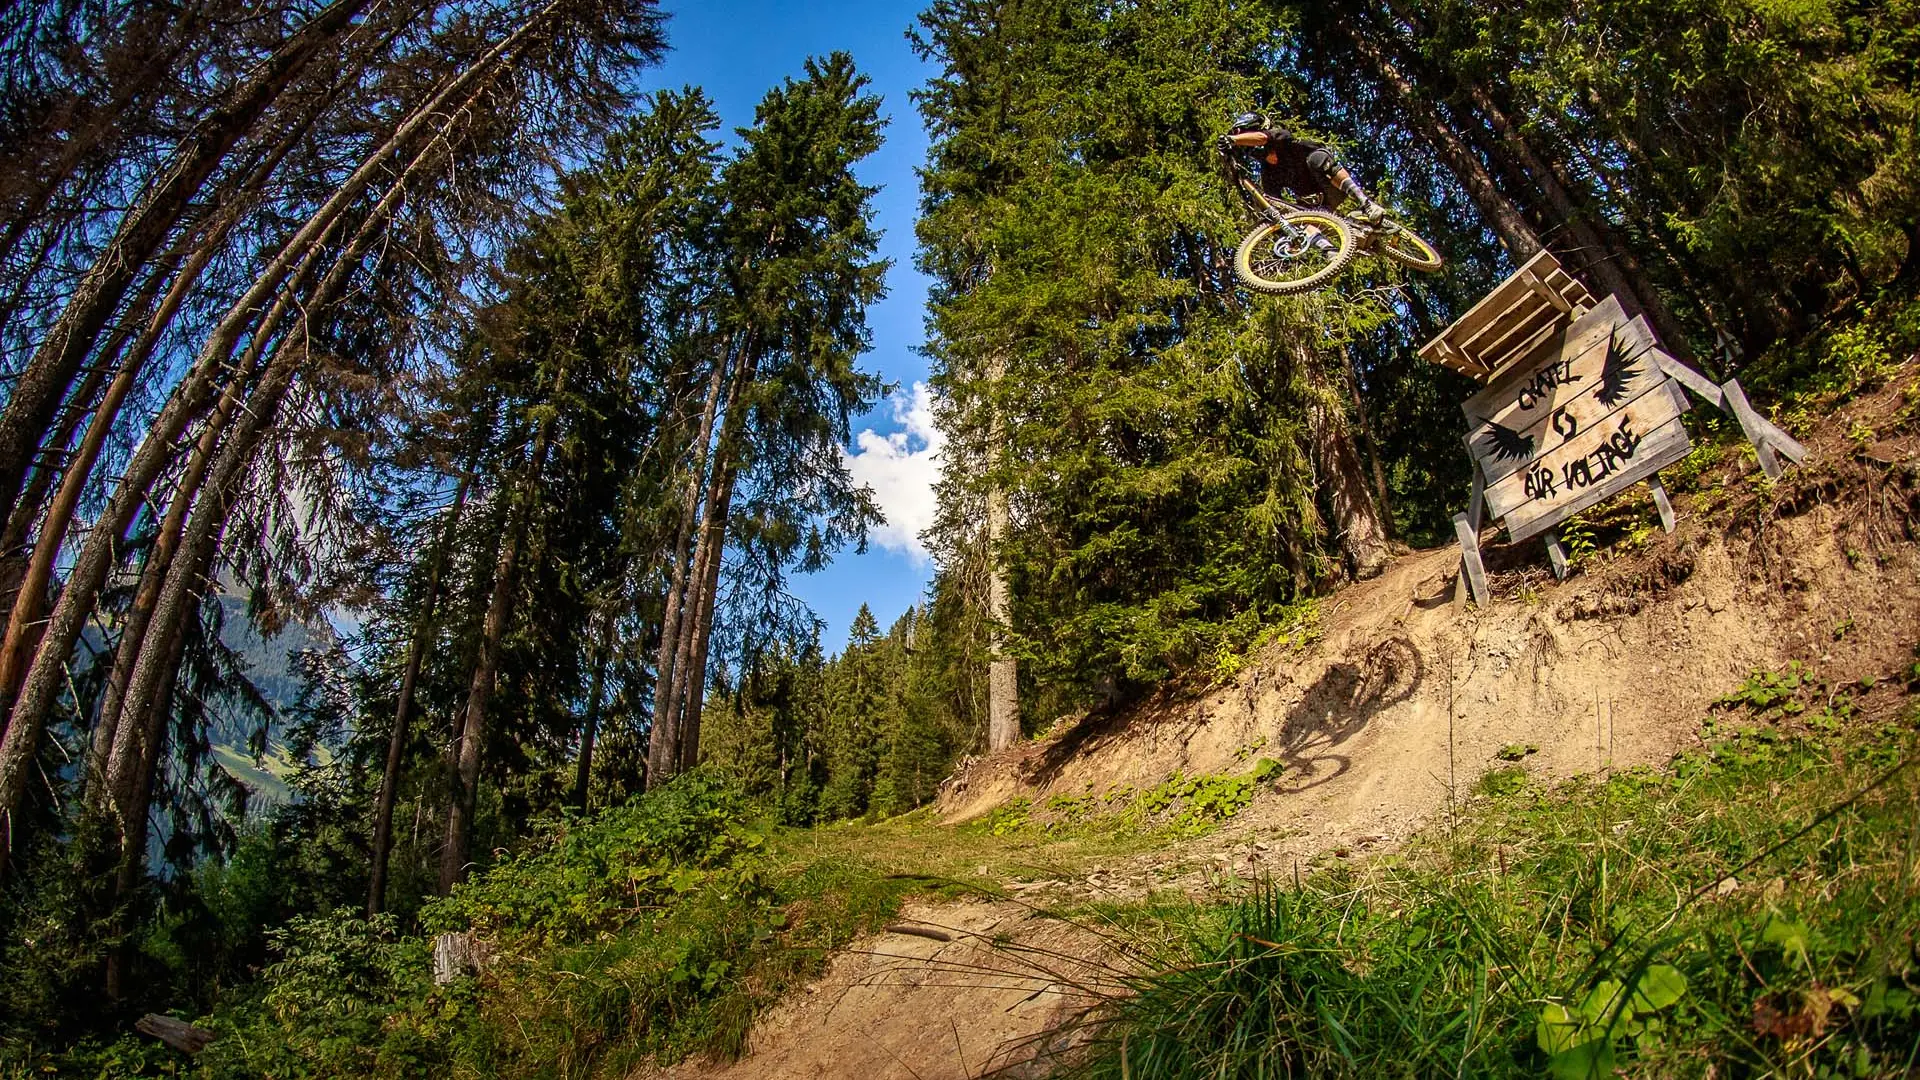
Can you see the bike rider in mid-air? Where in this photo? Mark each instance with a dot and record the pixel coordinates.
(1302, 166)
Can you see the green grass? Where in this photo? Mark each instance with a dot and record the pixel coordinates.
(1750, 911)
(653, 930)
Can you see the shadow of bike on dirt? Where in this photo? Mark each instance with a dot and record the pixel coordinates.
(1338, 706)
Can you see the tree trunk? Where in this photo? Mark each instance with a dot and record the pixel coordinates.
(1357, 523)
(713, 549)
(178, 598)
(1003, 673)
(667, 744)
(473, 728)
(1608, 259)
(134, 768)
(106, 732)
(397, 740)
(37, 391)
(1382, 491)
(470, 739)
(583, 768)
(21, 633)
(44, 678)
(663, 745)
(15, 555)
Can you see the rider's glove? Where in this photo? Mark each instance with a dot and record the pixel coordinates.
(1224, 143)
(1373, 212)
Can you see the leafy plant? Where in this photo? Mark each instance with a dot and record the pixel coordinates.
(1503, 781)
(1577, 537)
(1580, 1039)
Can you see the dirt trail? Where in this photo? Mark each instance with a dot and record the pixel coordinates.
(912, 1005)
(1387, 721)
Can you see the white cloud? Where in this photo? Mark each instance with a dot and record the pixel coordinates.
(902, 469)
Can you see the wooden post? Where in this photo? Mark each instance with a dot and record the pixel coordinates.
(1557, 554)
(1750, 423)
(1476, 508)
(1476, 571)
(1732, 399)
(1661, 502)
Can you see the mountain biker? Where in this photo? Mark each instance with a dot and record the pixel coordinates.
(1302, 166)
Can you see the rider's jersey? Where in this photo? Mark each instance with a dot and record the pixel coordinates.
(1302, 167)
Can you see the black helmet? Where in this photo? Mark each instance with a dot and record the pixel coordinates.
(1249, 122)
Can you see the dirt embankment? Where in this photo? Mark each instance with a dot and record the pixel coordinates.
(1405, 700)
(1390, 718)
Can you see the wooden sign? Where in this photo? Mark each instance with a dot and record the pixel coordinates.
(1581, 403)
(1588, 415)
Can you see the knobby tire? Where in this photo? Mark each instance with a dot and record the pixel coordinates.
(1330, 225)
(1408, 248)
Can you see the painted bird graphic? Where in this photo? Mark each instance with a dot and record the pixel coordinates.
(1506, 444)
(1616, 373)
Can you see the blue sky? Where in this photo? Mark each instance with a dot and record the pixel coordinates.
(737, 51)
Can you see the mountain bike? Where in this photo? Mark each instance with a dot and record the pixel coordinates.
(1298, 248)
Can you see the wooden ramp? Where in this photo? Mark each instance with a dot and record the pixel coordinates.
(1580, 403)
(1510, 323)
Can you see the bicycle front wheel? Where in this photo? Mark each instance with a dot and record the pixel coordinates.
(1297, 254)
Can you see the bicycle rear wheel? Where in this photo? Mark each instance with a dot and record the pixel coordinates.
(1295, 255)
(1403, 245)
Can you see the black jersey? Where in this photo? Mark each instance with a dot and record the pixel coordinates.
(1302, 167)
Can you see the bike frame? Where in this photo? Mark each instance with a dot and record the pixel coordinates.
(1271, 208)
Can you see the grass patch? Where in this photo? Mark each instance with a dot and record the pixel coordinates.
(651, 930)
(1749, 911)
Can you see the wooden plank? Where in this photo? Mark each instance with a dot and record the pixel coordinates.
(1524, 319)
(1499, 299)
(1683, 373)
(1503, 325)
(1750, 423)
(1476, 513)
(1592, 457)
(1556, 555)
(1470, 555)
(1787, 445)
(1576, 293)
(1443, 352)
(1544, 384)
(1546, 292)
(1589, 457)
(1460, 362)
(1657, 451)
(1661, 502)
(1525, 351)
(1686, 375)
(1502, 451)
(1711, 393)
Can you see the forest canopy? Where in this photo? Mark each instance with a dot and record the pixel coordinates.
(414, 329)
